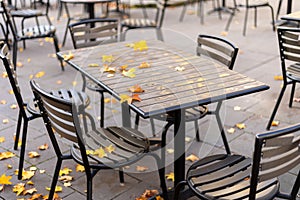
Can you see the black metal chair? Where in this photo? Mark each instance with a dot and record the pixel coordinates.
(288, 39)
(227, 176)
(221, 51)
(145, 23)
(92, 32)
(64, 116)
(29, 33)
(27, 111)
(249, 4)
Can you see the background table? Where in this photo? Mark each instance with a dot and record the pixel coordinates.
(174, 82)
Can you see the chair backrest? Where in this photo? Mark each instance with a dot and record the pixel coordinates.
(93, 32)
(8, 20)
(276, 153)
(219, 49)
(160, 12)
(12, 76)
(288, 40)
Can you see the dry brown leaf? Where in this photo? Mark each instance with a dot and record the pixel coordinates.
(136, 89)
(192, 158)
(55, 197)
(141, 168)
(33, 154)
(275, 123)
(43, 147)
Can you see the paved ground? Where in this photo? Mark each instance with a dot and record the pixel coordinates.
(258, 58)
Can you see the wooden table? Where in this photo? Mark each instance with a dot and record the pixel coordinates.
(294, 16)
(174, 82)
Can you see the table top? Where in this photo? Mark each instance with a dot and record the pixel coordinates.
(294, 16)
(171, 79)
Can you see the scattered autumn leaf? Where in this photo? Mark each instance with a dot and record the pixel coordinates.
(4, 75)
(19, 64)
(109, 69)
(1, 187)
(43, 147)
(10, 92)
(140, 45)
(19, 188)
(136, 89)
(5, 121)
(107, 58)
(130, 73)
(5, 180)
(13, 106)
(28, 60)
(236, 108)
(231, 130)
(26, 175)
(35, 197)
(57, 189)
(170, 151)
(240, 125)
(30, 183)
(55, 196)
(39, 74)
(29, 191)
(80, 168)
(42, 171)
(67, 184)
(123, 67)
(33, 168)
(2, 139)
(141, 168)
(74, 83)
(65, 178)
(296, 99)
(58, 82)
(5, 155)
(9, 166)
(144, 65)
(224, 33)
(192, 158)
(100, 152)
(68, 56)
(3, 101)
(147, 194)
(278, 78)
(170, 176)
(275, 123)
(110, 148)
(187, 139)
(179, 69)
(93, 65)
(33, 154)
(89, 152)
(65, 171)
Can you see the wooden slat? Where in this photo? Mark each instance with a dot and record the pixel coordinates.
(279, 141)
(215, 56)
(274, 151)
(291, 35)
(214, 45)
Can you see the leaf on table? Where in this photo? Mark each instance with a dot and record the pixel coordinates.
(26, 175)
(65, 178)
(13, 106)
(80, 168)
(2, 139)
(5, 121)
(129, 99)
(7, 154)
(240, 125)
(278, 78)
(33, 154)
(3, 102)
(100, 152)
(130, 73)
(110, 148)
(93, 65)
(29, 191)
(43, 147)
(57, 189)
(179, 69)
(65, 171)
(231, 130)
(192, 158)
(107, 58)
(110, 75)
(136, 89)
(123, 68)
(141, 168)
(109, 69)
(19, 188)
(5, 180)
(144, 65)
(140, 45)
(275, 123)
(39, 74)
(68, 56)
(35, 196)
(170, 176)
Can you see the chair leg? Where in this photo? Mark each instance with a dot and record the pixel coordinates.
(89, 182)
(22, 153)
(101, 109)
(161, 172)
(197, 130)
(55, 178)
(223, 134)
(121, 176)
(178, 188)
(55, 41)
(15, 52)
(152, 127)
(230, 19)
(278, 9)
(183, 12)
(123, 34)
(159, 34)
(201, 10)
(163, 144)
(245, 22)
(18, 131)
(272, 15)
(66, 32)
(292, 94)
(276, 107)
(137, 121)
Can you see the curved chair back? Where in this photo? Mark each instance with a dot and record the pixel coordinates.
(219, 49)
(160, 12)
(92, 32)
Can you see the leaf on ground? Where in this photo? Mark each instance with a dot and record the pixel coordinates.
(13, 106)
(144, 65)
(187, 139)
(35, 196)
(5, 180)
(1, 187)
(29, 191)
(74, 83)
(33, 154)
(93, 65)
(278, 78)
(10, 92)
(42, 171)
(80, 168)
(107, 58)
(43, 147)
(2, 139)
(19, 64)
(19, 188)
(65, 171)
(39, 74)
(179, 69)
(109, 69)
(236, 108)
(141, 168)
(192, 158)
(296, 99)
(9, 166)
(170, 151)
(33, 168)
(275, 123)
(100, 152)
(67, 184)
(30, 183)
(110, 148)
(55, 197)
(5, 121)
(136, 89)
(26, 175)
(57, 189)
(240, 125)
(147, 194)
(231, 130)
(65, 178)
(224, 33)
(28, 60)
(130, 73)
(7, 154)
(224, 75)
(59, 82)
(68, 56)
(3, 101)
(170, 176)
(4, 75)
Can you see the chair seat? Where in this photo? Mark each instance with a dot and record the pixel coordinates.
(227, 177)
(191, 114)
(26, 13)
(138, 23)
(257, 3)
(37, 31)
(129, 145)
(293, 71)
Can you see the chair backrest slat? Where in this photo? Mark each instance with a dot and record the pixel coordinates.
(219, 49)
(273, 151)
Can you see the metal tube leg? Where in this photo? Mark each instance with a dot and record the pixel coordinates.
(278, 9)
(55, 178)
(152, 127)
(102, 109)
(178, 188)
(245, 22)
(197, 130)
(121, 176)
(255, 17)
(55, 41)
(276, 107)
(183, 12)
(273, 20)
(18, 131)
(292, 94)
(159, 34)
(22, 153)
(15, 52)
(137, 121)
(89, 188)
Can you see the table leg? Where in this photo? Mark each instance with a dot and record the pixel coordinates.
(91, 11)
(179, 146)
(125, 115)
(289, 7)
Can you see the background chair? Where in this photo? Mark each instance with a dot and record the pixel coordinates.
(28, 33)
(288, 40)
(28, 112)
(94, 32)
(249, 4)
(129, 145)
(156, 23)
(219, 50)
(227, 176)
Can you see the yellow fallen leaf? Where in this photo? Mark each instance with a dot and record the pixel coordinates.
(43, 147)
(4, 75)
(74, 83)
(192, 158)
(65, 171)
(10, 91)
(5, 155)
(39, 74)
(224, 33)
(65, 178)
(107, 58)
(278, 78)
(141, 168)
(231, 130)
(57, 189)
(29, 191)
(3, 101)
(42, 171)
(28, 60)
(107, 100)
(35, 196)
(21, 49)
(1, 188)
(55, 196)
(241, 126)
(80, 168)
(33, 168)
(19, 64)
(236, 108)
(5, 121)
(2, 139)
(187, 139)
(30, 183)
(26, 175)
(31, 76)
(89, 152)
(19, 188)
(58, 82)
(170, 176)
(140, 45)
(67, 184)
(13, 106)
(224, 75)
(109, 69)
(144, 65)
(93, 65)
(110, 148)
(9, 166)
(275, 123)
(179, 69)
(33, 154)
(5, 180)
(68, 56)
(136, 89)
